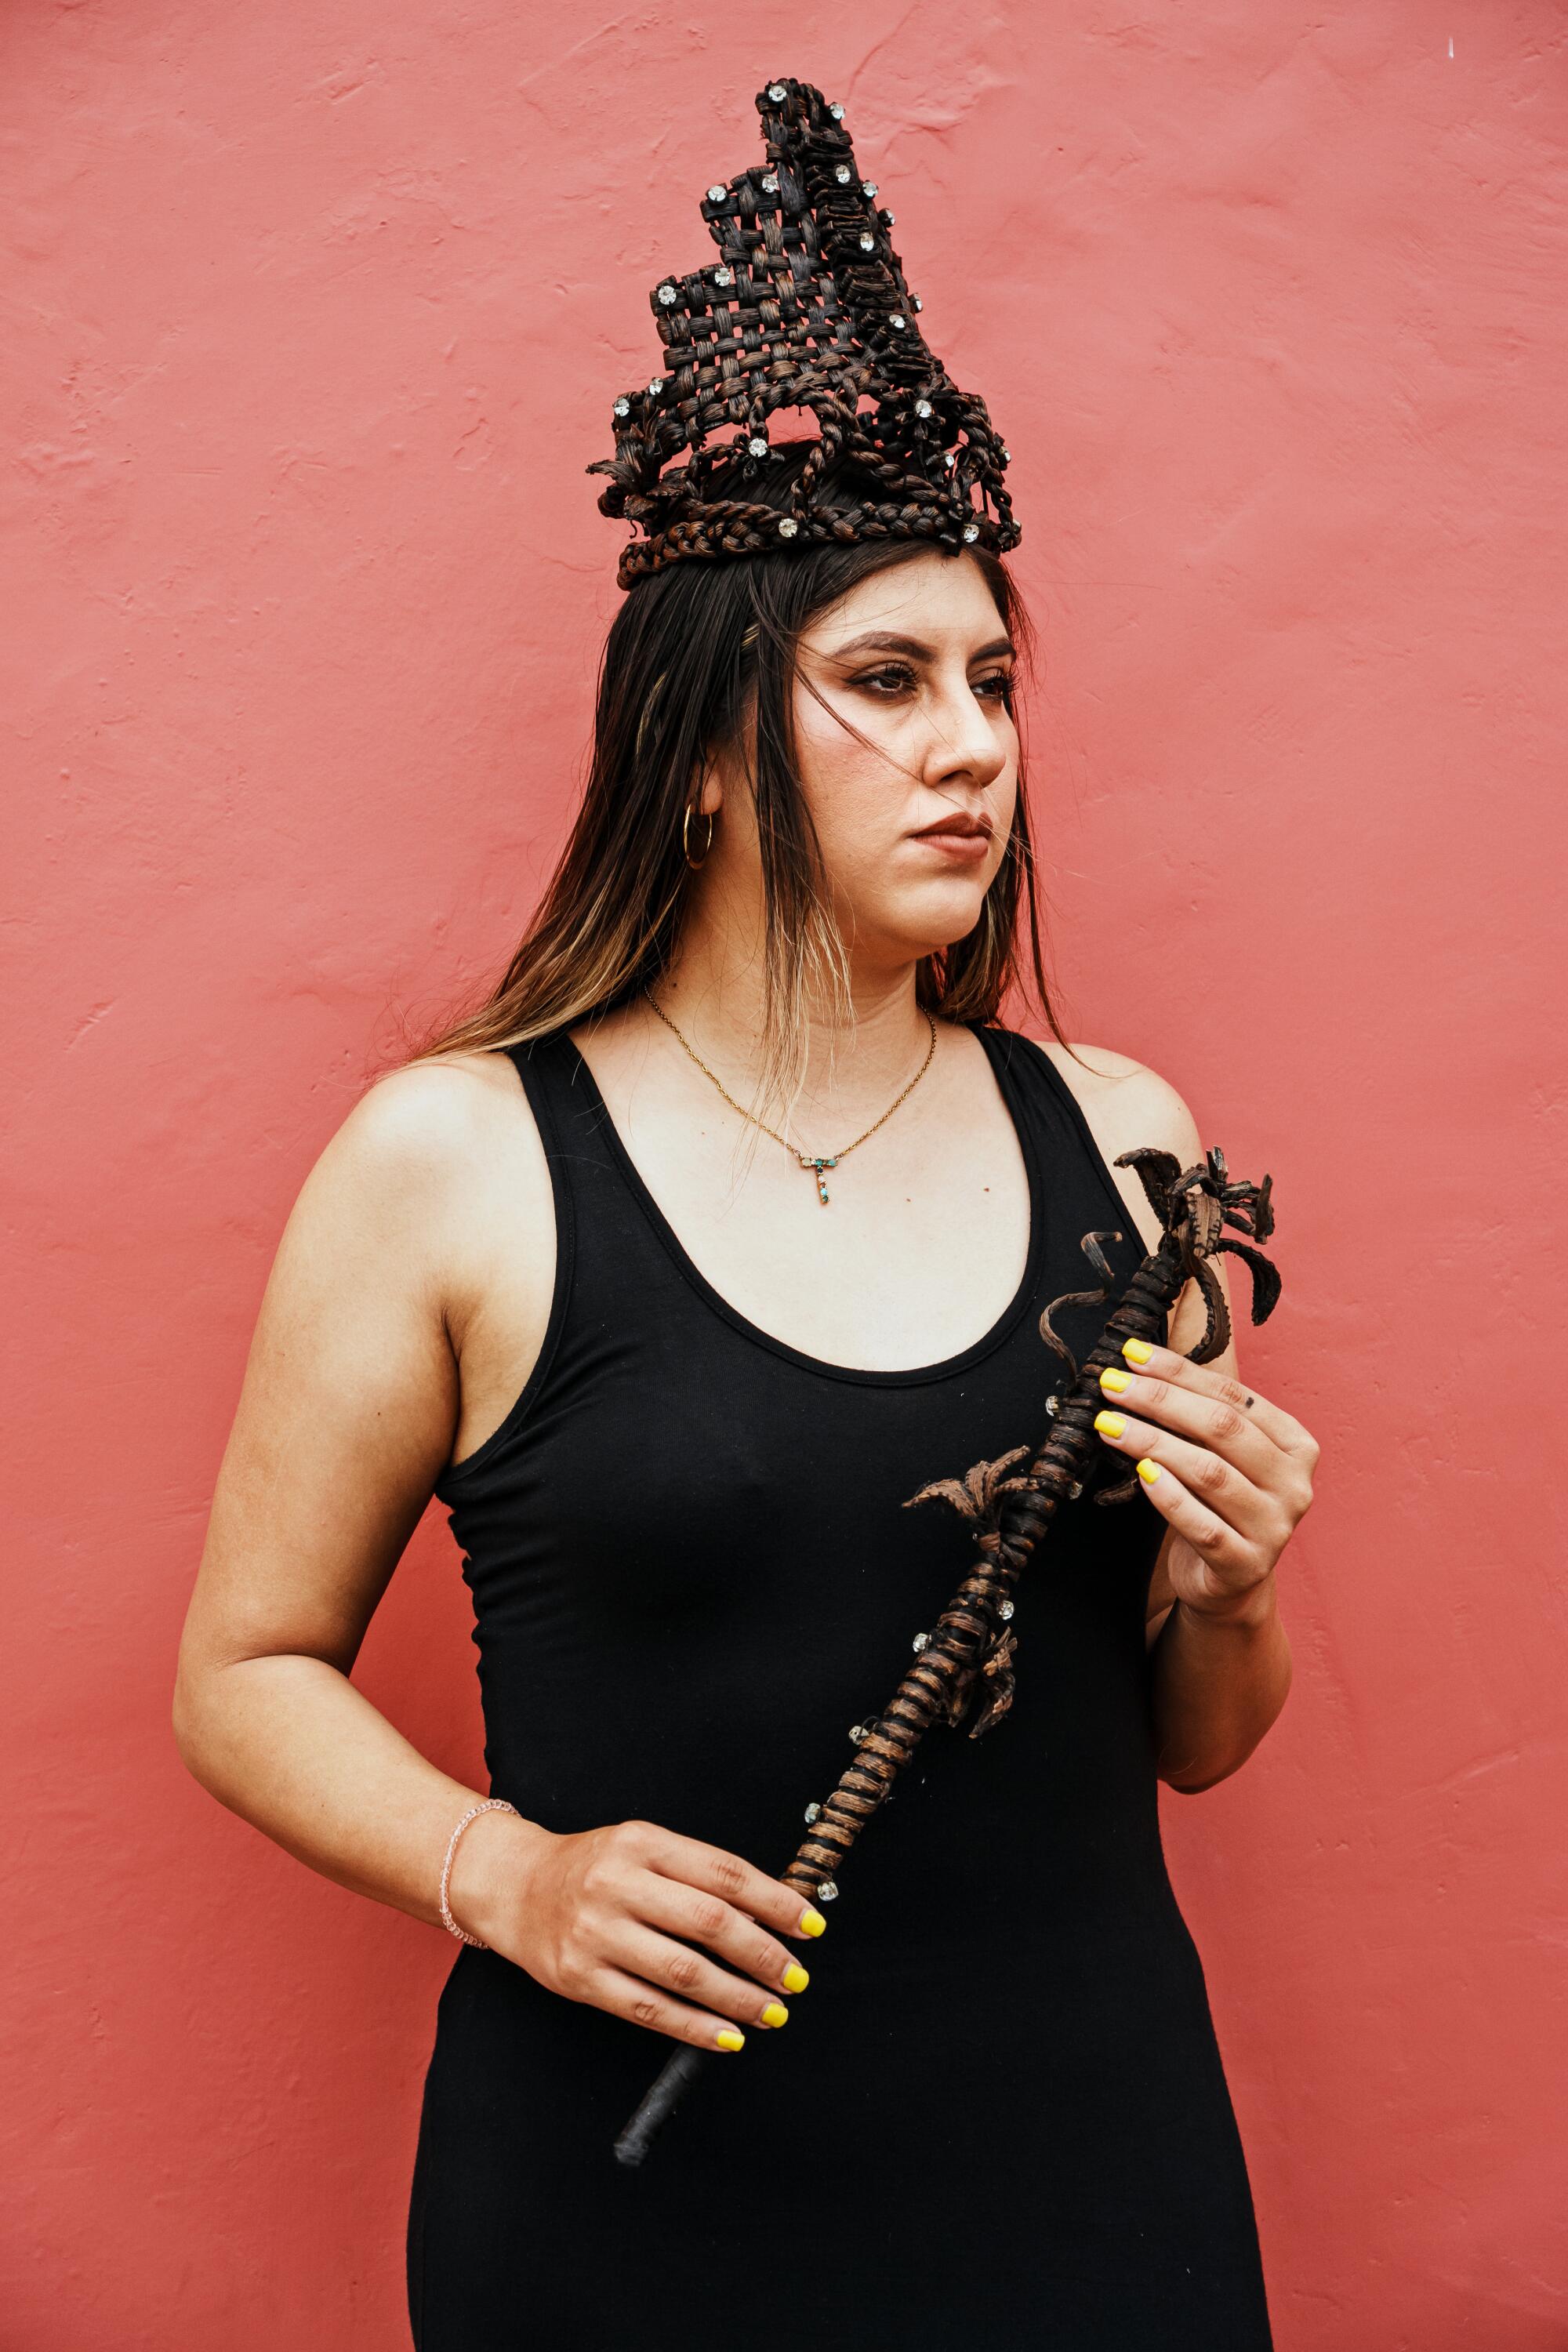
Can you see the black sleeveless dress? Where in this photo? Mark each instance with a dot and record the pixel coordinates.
(997, 2116)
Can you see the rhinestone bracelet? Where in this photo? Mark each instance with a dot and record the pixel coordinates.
(490, 1805)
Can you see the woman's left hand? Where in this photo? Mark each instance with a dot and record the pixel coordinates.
(1233, 1473)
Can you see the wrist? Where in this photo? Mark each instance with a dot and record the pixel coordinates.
(490, 1859)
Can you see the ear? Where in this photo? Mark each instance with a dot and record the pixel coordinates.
(719, 779)
(705, 791)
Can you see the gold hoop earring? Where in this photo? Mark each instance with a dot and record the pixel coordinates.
(686, 835)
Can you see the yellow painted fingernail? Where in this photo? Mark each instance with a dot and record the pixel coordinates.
(1148, 1472)
(1111, 1423)
(812, 1922)
(1114, 1381)
(1136, 1351)
(729, 2039)
(796, 1977)
(776, 2013)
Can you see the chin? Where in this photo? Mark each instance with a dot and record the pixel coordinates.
(941, 919)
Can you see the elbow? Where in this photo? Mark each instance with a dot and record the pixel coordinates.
(1197, 1788)
(1193, 1781)
(190, 1720)
(182, 1722)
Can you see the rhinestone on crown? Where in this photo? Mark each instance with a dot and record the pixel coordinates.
(868, 187)
(826, 1890)
(813, 1812)
(787, 527)
(843, 175)
(623, 406)
(836, 111)
(757, 445)
(922, 408)
(667, 294)
(716, 195)
(898, 321)
(971, 530)
(919, 1641)
(868, 242)
(771, 183)
(776, 93)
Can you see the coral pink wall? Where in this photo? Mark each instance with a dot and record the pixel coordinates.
(312, 320)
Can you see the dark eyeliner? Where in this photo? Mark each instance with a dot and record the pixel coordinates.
(1001, 678)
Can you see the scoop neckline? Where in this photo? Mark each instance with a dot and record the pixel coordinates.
(909, 1376)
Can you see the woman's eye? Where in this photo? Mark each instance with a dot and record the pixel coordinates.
(886, 682)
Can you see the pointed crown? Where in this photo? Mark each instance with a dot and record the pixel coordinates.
(805, 307)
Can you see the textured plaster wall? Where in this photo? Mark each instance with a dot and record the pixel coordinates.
(312, 320)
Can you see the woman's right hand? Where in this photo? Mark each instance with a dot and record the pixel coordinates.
(609, 1916)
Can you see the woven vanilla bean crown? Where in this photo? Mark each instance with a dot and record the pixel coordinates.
(805, 307)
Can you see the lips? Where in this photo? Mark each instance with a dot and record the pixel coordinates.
(954, 829)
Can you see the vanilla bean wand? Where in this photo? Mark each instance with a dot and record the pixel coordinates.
(970, 1642)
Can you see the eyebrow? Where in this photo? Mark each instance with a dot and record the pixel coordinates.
(883, 641)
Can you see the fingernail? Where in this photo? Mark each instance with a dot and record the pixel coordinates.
(729, 2039)
(776, 2013)
(796, 1977)
(812, 1922)
(1114, 1381)
(1111, 1423)
(1148, 1472)
(1136, 1351)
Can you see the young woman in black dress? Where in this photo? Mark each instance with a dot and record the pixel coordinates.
(673, 1273)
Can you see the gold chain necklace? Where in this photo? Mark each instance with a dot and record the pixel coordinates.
(808, 1160)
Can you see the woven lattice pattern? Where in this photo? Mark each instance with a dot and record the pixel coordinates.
(805, 307)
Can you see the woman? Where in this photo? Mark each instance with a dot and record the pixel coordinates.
(599, 1270)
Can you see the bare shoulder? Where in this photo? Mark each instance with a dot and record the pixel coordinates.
(448, 1151)
(428, 1114)
(1126, 1103)
(410, 1142)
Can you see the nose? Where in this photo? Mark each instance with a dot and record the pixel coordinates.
(963, 740)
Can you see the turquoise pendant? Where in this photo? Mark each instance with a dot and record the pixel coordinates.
(816, 1167)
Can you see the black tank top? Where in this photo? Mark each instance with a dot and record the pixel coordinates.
(998, 2113)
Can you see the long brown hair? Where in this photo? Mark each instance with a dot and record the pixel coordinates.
(694, 651)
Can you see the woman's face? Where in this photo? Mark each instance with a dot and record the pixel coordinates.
(917, 660)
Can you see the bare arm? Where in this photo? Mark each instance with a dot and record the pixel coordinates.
(1220, 1672)
(345, 1421)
